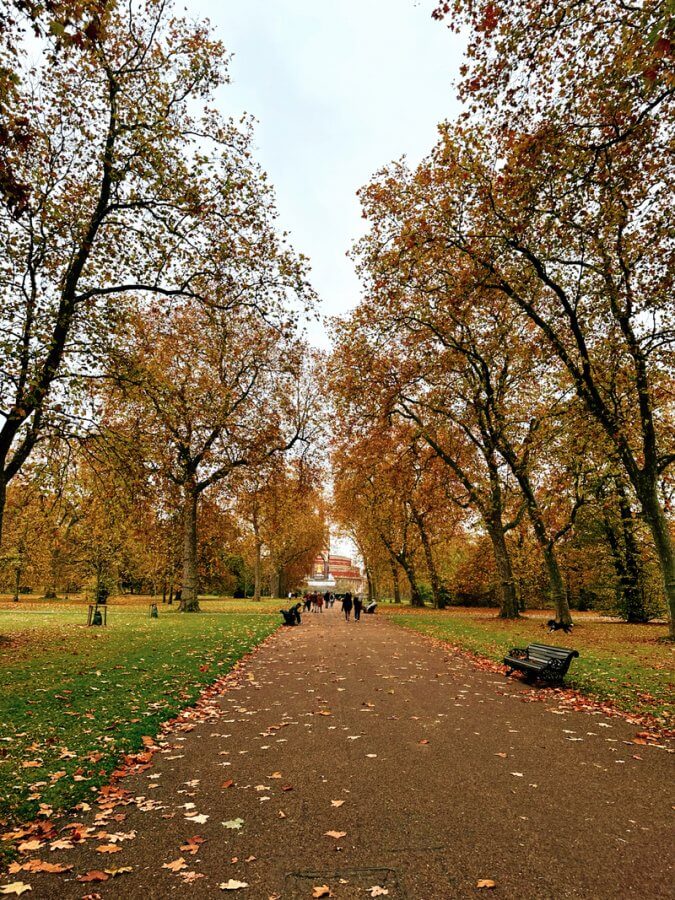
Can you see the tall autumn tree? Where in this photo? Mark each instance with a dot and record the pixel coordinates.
(117, 197)
(210, 391)
(564, 205)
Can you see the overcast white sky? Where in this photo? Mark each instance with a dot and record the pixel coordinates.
(339, 88)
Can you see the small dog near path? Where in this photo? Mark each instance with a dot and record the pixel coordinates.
(552, 625)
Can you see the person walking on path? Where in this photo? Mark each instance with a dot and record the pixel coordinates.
(347, 605)
(358, 606)
(319, 602)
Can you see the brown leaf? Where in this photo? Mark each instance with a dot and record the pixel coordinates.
(176, 865)
(335, 834)
(120, 871)
(228, 783)
(16, 887)
(486, 883)
(108, 848)
(322, 890)
(94, 875)
(25, 846)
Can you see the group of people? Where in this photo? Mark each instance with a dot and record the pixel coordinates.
(315, 602)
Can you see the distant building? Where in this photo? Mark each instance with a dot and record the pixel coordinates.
(335, 573)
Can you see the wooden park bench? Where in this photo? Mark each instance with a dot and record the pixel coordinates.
(540, 661)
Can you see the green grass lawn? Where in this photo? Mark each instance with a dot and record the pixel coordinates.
(626, 664)
(69, 693)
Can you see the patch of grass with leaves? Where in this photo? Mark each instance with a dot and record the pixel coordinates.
(626, 664)
(73, 699)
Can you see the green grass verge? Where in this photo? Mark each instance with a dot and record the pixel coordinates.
(626, 664)
(69, 692)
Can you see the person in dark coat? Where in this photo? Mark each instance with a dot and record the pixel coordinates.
(358, 606)
(347, 605)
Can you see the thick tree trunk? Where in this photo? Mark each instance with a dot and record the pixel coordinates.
(635, 606)
(190, 584)
(437, 591)
(663, 544)
(395, 582)
(509, 600)
(408, 567)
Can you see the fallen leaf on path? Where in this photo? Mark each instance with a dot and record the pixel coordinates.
(377, 891)
(232, 885)
(335, 834)
(228, 783)
(233, 823)
(321, 890)
(486, 883)
(336, 802)
(38, 865)
(501, 755)
(16, 887)
(200, 820)
(95, 875)
(517, 774)
(120, 871)
(108, 848)
(25, 846)
(176, 865)
(287, 787)
(424, 741)
(371, 755)
(282, 814)
(61, 844)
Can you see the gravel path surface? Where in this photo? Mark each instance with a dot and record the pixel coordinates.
(433, 775)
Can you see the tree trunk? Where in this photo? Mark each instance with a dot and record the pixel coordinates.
(635, 607)
(257, 566)
(556, 584)
(371, 590)
(190, 585)
(663, 543)
(17, 584)
(3, 498)
(509, 600)
(395, 581)
(436, 587)
(408, 567)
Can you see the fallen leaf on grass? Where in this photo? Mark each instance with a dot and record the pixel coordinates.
(335, 834)
(16, 887)
(233, 823)
(94, 875)
(176, 865)
(486, 883)
(322, 890)
(232, 885)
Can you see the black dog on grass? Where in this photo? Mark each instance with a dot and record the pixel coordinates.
(552, 625)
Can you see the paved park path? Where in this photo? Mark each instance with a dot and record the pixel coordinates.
(436, 772)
